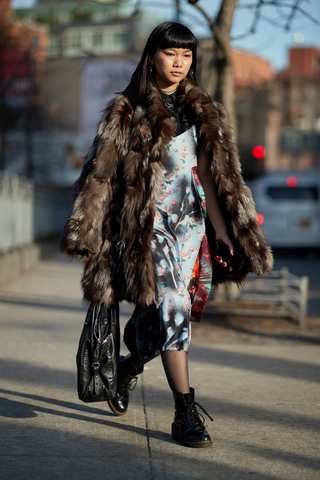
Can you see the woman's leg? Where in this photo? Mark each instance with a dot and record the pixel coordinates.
(187, 426)
(175, 364)
(140, 362)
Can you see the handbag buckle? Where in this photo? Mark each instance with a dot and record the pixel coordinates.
(96, 365)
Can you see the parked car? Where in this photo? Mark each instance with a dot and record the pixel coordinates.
(288, 206)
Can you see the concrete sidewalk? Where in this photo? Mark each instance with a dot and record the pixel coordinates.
(264, 399)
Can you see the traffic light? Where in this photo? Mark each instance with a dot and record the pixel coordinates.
(259, 152)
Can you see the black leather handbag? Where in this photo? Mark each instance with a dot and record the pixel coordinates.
(98, 354)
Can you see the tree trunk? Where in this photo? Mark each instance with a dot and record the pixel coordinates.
(225, 88)
(218, 76)
(222, 59)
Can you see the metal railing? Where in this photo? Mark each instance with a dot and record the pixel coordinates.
(281, 294)
(29, 213)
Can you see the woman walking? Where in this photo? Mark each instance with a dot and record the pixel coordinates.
(162, 182)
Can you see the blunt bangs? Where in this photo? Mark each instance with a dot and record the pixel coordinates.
(177, 36)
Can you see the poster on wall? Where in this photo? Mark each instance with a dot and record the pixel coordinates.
(101, 79)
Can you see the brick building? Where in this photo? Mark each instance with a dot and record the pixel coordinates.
(280, 112)
(23, 52)
(251, 76)
(82, 34)
(294, 112)
(304, 62)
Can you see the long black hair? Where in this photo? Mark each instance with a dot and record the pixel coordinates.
(165, 35)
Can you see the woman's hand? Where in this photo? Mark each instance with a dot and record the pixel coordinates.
(212, 201)
(224, 237)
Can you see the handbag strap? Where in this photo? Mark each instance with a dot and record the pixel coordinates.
(96, 351)
(97, 332)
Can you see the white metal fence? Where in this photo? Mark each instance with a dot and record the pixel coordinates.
(29, 213)
(280, 294)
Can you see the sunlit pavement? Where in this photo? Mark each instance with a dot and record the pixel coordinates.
(264, 399)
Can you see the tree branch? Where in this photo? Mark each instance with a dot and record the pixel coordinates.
(212, 25)
(292, 14)
(278, 4)
(255, 20)
(203, 12)
(282, 4)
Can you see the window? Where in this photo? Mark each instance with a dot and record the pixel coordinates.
(74, 40)
(54, 45)
(97, 42)
(119, 39)
(293, 193)
(35, 41)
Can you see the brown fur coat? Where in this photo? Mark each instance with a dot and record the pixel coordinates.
(111, 224)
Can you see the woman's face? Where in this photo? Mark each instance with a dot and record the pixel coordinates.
(171, 66)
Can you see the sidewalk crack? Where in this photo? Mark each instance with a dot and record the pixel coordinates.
(147, 428)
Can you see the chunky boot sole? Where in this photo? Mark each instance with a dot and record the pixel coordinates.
(176, 435)
(114, 410)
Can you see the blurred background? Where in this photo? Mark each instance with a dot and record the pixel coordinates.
(62, 61)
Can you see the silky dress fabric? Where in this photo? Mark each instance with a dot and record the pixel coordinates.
(179, 231)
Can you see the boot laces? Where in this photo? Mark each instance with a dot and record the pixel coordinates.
(129, 383)
(195, 418)
(133, 384)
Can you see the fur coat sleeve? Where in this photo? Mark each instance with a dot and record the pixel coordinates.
(93, 227)
(235, 198)
(97, 185)
(111, 224)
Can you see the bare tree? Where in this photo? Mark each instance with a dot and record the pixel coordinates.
(220, 26)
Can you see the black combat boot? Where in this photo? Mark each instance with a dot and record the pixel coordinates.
(127, 379)
(187, 425)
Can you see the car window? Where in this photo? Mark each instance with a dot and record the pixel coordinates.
(293, 193)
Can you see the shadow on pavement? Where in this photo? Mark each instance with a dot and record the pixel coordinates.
(256, 363)
(44, 302)
(180, 460)
(38, 375)
(55, 303)
(255, 326)
(14, 409)
(57, 457)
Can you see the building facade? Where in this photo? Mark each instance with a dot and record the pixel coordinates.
(283, 116)
(78, 29)
(23, 53)
(83, 36)
(295, 96)
(93, 48)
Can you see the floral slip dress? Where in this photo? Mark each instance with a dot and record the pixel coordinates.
(181, 254)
